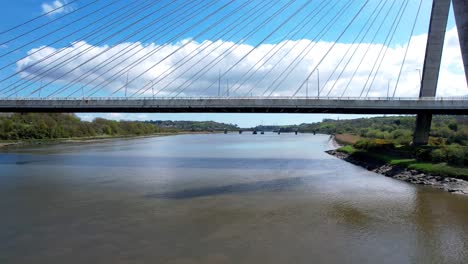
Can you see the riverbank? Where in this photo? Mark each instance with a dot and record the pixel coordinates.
(34, 142)
(449, 184)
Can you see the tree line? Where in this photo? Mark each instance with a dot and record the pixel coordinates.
(445, 130)
(40, 126)
(53, 126)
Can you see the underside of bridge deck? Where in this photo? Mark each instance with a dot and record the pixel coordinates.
(427, 106)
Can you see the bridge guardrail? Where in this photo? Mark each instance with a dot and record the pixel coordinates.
(452, 98)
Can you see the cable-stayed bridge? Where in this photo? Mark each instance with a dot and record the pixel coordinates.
(300, 56)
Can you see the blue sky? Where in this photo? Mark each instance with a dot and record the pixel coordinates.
(16, 12)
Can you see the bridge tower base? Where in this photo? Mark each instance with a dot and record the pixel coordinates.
(423, 127)
(430, 78)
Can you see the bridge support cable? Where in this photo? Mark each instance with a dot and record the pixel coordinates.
(333, 45)
(251, 50)
(381, 62)
(284, 38)
(228, 51)
(167, 29)
(86, 36)
(305, 52)
(317, 36)
(64, 5)
(104, 84)
(360, 44)
(198, 51)
(308, 47)
(56, 67)
(384, 49)
(5, 42)
(387, 16)
(59, 29)
(407, 48)
(383, 58)
(163, 31)
(276, 49)
(206, 18)
(240, 24)
(296, 12)
(364, 30)
(135, 33)
(213, 25)
(112, 23)
(55, 64)
(269, 35)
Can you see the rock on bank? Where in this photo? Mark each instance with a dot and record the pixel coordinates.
(412, 176)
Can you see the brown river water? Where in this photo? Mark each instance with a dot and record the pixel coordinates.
(217, 199)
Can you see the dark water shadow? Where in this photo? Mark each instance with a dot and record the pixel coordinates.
(166, 162)
(276, 185)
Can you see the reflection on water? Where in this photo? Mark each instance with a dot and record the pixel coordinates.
(218, 199)
(271, 185)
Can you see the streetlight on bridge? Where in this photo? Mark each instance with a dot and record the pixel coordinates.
(318, 83)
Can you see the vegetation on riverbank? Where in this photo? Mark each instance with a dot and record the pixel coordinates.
(447, 161)
(445, 130)
(347, 139)
(53, 127)
(384, 138)
(194, 126)
(24, 127)
(388, 139)
(405, 160)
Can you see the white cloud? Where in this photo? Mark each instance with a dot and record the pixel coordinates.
(452, 79)
(55, 7)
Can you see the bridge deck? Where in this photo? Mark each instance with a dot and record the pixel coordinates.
(453, 106)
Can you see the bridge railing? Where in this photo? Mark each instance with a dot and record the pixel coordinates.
(451, 98)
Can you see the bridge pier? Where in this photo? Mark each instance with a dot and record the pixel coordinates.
(423, 127)
(430, 78)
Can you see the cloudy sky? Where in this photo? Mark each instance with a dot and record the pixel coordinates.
(251, 48)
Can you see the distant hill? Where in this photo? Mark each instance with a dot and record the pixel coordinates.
(194, 126)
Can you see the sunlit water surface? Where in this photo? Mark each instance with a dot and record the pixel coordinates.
(218, 199)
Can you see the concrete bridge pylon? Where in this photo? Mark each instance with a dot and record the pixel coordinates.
(435, 45)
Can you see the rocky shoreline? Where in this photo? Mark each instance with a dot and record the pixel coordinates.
(448, 184)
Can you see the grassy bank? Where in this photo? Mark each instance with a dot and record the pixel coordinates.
(442, 169)
(51, 128)
(6, 143)
(347, 139)
(102, 138)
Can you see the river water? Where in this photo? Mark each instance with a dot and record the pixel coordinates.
(218, 199)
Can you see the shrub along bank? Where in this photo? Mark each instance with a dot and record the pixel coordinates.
(445, 160)
(59, 126)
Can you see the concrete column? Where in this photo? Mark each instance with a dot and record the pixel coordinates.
(423, 127)
(460, 8)
(435, 45)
